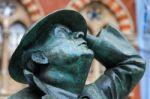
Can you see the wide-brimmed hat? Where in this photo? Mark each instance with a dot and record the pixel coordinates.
(72, 19)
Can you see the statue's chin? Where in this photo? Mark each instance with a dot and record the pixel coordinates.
(51, 76)
(62, 80)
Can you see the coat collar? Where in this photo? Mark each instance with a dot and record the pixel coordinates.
(48, 90)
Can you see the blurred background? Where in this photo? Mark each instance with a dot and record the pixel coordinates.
(131, 17)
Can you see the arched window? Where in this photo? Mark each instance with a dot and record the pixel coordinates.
(16, 32)
(14, 20)
(1, 39)
(1, 33)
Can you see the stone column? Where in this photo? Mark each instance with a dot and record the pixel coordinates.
(5, 58)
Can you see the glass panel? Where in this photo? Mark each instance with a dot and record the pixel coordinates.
(1, 38)
(17, 31)
(1, 32)
(7, 8)
(97, 16)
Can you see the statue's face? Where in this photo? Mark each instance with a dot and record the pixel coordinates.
(69, 59)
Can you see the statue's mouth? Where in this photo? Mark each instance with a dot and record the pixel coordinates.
(83, 43)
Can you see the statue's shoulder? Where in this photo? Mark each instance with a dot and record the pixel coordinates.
(27, 93)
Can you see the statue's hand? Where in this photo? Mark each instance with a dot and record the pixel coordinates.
(90, 40)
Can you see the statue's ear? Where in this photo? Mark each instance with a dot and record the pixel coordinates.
(39, 57)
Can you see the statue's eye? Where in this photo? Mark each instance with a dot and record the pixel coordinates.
(60, 33)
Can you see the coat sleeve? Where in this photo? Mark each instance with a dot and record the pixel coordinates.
(124, 67)
(27, 93)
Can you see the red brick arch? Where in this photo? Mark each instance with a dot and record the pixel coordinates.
(116, 6)
(33, 9)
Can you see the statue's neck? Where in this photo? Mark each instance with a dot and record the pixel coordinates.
(63, 79)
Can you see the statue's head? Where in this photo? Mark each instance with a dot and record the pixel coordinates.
(55, 50)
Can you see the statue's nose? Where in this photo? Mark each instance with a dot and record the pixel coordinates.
(78, 35)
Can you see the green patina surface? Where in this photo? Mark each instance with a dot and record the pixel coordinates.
(55, 55)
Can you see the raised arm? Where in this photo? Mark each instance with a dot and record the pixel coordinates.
(124, 67)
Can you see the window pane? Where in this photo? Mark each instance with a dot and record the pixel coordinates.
(1, 38)
(16, 33)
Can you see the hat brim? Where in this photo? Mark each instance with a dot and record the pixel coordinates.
(72, 19)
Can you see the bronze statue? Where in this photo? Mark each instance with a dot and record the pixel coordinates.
(55, 55)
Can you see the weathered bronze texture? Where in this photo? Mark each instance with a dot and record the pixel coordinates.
(55, 55)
